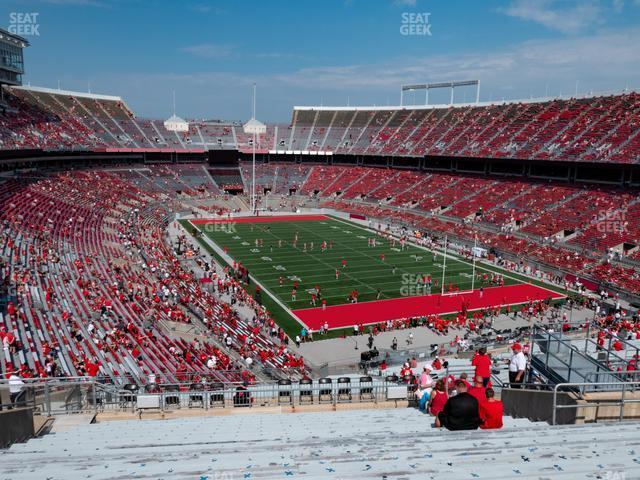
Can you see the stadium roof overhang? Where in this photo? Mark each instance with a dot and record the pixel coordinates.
(70, 93)
(6, 35)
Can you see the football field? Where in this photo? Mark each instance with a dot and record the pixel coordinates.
(389, 279)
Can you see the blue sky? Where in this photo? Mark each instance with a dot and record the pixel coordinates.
(325, 51)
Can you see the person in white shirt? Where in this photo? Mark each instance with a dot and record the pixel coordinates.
(15, 387)
(211, 363)
(517, 366)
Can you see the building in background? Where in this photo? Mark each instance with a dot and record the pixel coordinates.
(11, 58)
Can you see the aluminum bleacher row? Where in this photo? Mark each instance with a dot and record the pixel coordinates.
(594, 129)
(355, 444)
(604, 129)
(94, 279)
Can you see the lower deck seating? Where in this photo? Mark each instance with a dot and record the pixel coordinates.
(95, 282)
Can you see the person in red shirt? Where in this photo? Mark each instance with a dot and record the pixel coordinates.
(92, 368)
(463, 378)
(437, 364)
(478, 390)
(482, 362)
(491, 411)
(438, 399)
(617, 345)
(383, 366)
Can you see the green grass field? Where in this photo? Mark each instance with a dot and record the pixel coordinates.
(365, 270)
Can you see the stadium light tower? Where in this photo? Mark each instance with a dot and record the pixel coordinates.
(429, 86)
(254, 127)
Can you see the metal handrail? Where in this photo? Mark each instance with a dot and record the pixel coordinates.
(556, 338)
(609, 351)
(50, 397)
(621, 403)
(617, 374)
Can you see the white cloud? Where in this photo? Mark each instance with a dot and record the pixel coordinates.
(618, 5)
(606, 61)
(568, 17)
(206, 8)
(76, 3)
(209, 50)
(277, 55)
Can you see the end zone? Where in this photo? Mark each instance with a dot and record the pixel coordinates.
(368, 313)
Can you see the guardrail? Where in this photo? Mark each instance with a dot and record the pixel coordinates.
(63, 395)
(560, 357)
(53, 396)
(331, 392)
(624, 388)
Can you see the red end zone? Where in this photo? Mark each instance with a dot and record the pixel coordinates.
(269, 219)
(341, 316)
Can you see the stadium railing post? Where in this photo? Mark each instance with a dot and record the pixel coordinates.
(47, 399)
(94, 396)
(554, 405)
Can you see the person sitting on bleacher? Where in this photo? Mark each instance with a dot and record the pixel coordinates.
(437, 399)
(460, 412)
(463, 379)
(491, 411)
(478, 390)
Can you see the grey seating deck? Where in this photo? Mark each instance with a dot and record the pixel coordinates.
(355, 444)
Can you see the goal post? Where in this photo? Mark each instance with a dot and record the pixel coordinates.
(444, 265)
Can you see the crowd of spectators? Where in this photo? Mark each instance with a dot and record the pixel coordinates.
(95, 287)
